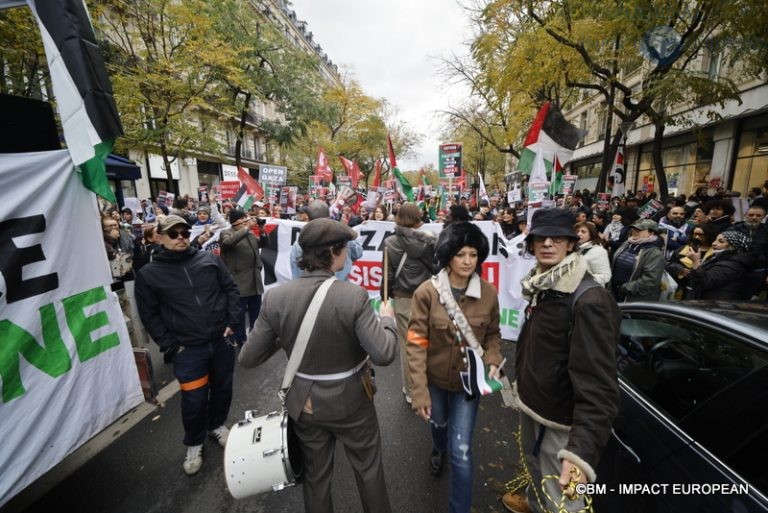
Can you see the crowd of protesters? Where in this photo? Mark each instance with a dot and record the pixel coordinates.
(636, 247)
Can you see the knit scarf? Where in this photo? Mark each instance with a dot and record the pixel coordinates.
(638, 240)
(563, 277)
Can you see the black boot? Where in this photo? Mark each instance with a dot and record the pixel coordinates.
(436, 460)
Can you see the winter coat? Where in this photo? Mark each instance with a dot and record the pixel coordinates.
(598, 264)
(569, 383)
(186, 298)
(434, 356)
(418, 248)
(240, 251)
(645, 282)
(722, 276)
(345, 332)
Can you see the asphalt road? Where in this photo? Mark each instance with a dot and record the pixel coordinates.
(141, 470)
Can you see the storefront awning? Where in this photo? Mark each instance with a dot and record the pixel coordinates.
(120, 168)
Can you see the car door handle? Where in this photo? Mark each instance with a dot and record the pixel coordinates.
(626, 447)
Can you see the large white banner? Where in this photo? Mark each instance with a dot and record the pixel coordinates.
(66, 364)
(505, 267)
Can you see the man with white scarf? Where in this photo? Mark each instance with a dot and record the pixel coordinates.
(567, 388)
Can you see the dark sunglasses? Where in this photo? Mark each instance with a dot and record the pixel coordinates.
(174, 234)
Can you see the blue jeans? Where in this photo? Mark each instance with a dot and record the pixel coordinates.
(452, 423)
(252, 305)
(205, 377)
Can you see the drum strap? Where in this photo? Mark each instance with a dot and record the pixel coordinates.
(305, 330)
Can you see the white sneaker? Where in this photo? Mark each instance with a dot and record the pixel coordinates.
(407, 396)
(194, 459)
(220, 434)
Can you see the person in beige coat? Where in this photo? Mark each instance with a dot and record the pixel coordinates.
(451, 313)
(327, 399)
(241, 252)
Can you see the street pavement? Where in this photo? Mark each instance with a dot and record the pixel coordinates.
(140, 472)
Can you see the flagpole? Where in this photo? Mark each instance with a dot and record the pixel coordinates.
(385, 296)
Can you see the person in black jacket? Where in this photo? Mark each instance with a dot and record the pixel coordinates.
(722, 275)
(189, 304)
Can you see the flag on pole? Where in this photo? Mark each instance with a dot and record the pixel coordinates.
(618, 172)
(552, 136)
(253, 187)
(481, 188)
(539, 170)
(353, 170)
(243, 199)
(377, 175)
(323, 168)
(405, 185)
(83, 92)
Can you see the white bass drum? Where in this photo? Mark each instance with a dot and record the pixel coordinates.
(262, 455)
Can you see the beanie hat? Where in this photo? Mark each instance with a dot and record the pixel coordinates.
(235, 215)
(454, 237)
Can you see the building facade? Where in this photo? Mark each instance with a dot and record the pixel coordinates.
(207, 170)
(708, 146)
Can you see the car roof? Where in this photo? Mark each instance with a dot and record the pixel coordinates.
(747, 317)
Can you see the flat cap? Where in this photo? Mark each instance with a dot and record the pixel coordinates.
(169, 222)
(324, 232)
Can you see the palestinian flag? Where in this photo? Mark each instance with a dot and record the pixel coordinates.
(81, 86)
(249, 191)
(551, 136)
(475, 379)
(252, 186)
(243, 199)
(405, 185)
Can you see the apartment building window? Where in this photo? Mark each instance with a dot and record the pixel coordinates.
(752, 160)
(602, 116)
(685, 165)
(583, 126)
(715, 63)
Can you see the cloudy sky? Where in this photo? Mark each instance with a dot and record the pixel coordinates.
(393, 49)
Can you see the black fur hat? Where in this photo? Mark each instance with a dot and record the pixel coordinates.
(454, 237)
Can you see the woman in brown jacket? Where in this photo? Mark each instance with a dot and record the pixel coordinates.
(452, 314)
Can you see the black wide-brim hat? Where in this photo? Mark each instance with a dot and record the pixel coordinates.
(552, 222)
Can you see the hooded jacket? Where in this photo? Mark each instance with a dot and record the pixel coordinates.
(418, 248)
(186, 298)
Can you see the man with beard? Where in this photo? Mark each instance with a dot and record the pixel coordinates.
(753, 227)
(678, 231)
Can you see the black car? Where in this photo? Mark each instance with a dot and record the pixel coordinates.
(692, 430)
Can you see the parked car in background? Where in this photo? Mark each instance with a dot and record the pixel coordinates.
(694, 410)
